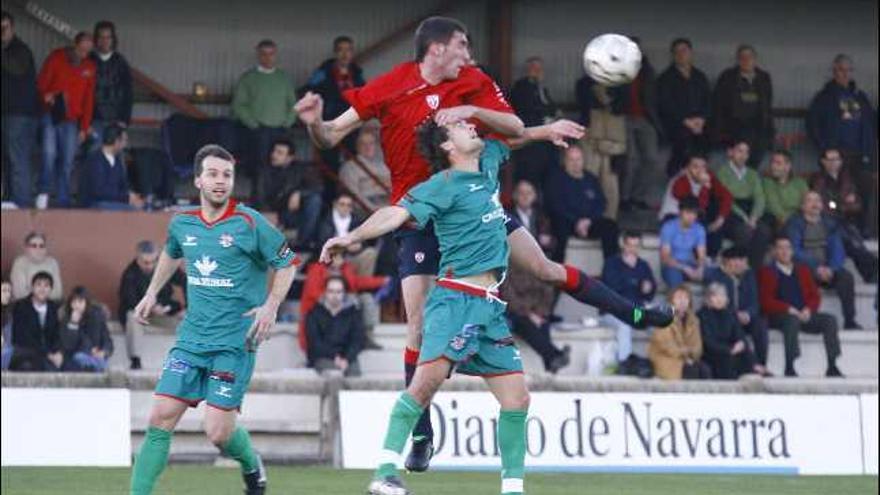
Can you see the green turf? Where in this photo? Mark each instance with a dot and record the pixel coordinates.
(193, 480)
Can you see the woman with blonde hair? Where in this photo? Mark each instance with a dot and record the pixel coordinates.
(675, 350)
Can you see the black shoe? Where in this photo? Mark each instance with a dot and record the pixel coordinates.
(561, 360)
(419, 458)
(389, 485)
(255, 482)
(790, 372)
(658, 316)
(852, 325)
(136, 363)
(833, 372)
(372, 345)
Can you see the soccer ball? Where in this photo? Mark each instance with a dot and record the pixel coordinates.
(612, 59)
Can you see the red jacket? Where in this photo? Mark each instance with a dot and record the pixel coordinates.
(768, 282)
(75, 82)
(313, 289)
(681, 189)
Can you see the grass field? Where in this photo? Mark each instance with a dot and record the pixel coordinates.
(194, 480)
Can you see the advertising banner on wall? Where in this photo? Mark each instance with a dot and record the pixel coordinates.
(869, 403)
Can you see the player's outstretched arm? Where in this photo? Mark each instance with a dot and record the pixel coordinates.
(381, 222)
(557, 133)
(163, 272)
(325, 135)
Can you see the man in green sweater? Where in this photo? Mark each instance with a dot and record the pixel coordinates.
(749, 227)
(263, 102)
(783, 191)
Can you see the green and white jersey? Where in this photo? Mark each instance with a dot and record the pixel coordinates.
(467, 214)
(227, 264)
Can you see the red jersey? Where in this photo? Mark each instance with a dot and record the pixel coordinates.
(402, 101)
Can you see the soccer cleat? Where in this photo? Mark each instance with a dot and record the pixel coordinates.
(389, 485)
(419, 458)
(255, 482)
(658, 316)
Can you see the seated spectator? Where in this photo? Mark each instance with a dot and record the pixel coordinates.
(85, 339)
(293, 190)
(335, 331)
(630, 276)
(103, 183)
(818, 244)
(5, 323)
(135, 280)
(34, 260)
(532, 102)
(356, 179)
(748, 226)
(675, 351)
(783, 191)
(531, 216)
(316, 281)
(35, 335)
(724, 344)
(838, 190)
(576, 206)
(734, 274)
(339, 221)
(683, 246)
(790, 301)
(529, 309)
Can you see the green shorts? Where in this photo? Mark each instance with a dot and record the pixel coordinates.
(471, 332)
(218, 377)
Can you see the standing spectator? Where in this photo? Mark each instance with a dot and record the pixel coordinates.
(748, 227)
(135, 280)
(263, 102)
(724, 344)
(684, 97)
(5, 324)
(67, 88)
(293, 190)
(34, 260)
(841, 117)
(113, 88)
(529, 309)
(630, 276)
(364, 182)
(576, 204)
(19, 113)
(683, 246)
(35, 337)
(341, 220)
(604, 145)
(531, 216)
(734, 274)
(103, 183)
(790, 300)
(531, 100)
(85, 339)
(335, 330)
(838, 190)
(818, 244)
(743, 102)
(675, 351)
(783, 191)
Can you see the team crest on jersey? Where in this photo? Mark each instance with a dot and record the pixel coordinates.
(420, 257)
(433, 101)
(226, 240)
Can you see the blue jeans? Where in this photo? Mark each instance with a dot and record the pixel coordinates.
(59, 149)
(673, 276)
(305, 220)
(19, 139)
(86, 362)
(623, 336)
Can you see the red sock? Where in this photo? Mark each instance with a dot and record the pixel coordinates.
(410, 357)
(572, 278)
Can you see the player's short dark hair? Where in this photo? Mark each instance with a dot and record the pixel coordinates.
(266, 43)
(340, 40)
(6, 16)
(210, 150)
(82, 36)
(436, 29)
(43, 276)
(630, 234)
(784, 153)
(112, 133)
(734, 252)
(101, 25)
(430, 140)
(680, 41)
(338, 278)
(291, 148)
(689, 203)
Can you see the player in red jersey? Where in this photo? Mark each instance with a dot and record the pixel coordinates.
(443, 84)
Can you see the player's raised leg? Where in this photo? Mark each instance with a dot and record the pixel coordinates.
(235, 442)
(512, 395)
(153, 455)
(526, 253)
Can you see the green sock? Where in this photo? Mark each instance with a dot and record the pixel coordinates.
(403, 419)
(512, 441)
(239, 448)
(150, 461)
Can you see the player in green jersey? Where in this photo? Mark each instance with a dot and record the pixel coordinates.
(465, 328)
(227, 250)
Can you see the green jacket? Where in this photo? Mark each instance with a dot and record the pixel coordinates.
(784, 199)
(748, 188)
(262, 99)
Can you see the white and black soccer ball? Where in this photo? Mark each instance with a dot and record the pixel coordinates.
(612, 59)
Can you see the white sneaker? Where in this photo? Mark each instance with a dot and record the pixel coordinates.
(42, 201)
